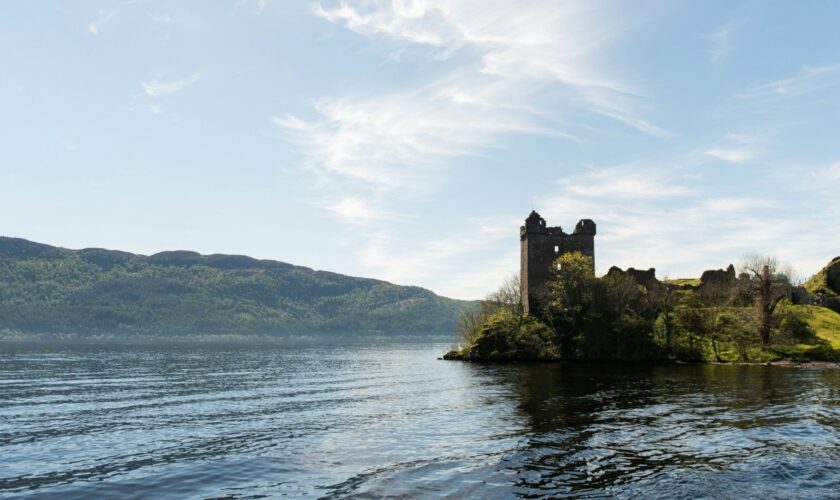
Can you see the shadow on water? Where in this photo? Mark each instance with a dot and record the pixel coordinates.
(699, 430)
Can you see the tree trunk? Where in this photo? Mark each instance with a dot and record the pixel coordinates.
(765, 310)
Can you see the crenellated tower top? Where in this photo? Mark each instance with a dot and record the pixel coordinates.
(540, 245)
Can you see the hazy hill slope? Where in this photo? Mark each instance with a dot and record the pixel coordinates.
(45, 289)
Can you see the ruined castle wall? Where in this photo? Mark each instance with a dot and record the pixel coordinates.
(540, 247)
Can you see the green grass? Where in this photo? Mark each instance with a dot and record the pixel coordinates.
(825, 347)
(818, 283)
(825, 322)
(684, 281)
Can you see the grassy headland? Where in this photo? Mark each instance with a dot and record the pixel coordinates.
(748, 318)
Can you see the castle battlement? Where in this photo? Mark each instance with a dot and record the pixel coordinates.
(539, 248)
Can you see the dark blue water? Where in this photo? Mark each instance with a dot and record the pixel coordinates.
(393, 421)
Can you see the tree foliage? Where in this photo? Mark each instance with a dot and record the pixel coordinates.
(619, 317)
(507, 297)
(45, 289)
(766, 283)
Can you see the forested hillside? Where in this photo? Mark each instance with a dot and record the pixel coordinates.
(45, 289)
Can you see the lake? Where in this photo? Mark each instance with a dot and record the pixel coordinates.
(392, 420)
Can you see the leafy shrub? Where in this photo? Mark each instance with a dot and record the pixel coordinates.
(506, 336)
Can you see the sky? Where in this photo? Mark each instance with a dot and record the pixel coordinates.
(408, 140)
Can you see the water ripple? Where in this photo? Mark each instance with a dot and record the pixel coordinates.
(391, 420)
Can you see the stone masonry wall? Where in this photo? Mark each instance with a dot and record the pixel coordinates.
(540, 246)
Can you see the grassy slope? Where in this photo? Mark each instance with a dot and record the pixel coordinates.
(818, 283)
(826, 324)
(684, 281)
(824, 321)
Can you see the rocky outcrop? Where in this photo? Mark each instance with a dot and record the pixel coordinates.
(832, 275)
(829, 302)
(832, 303)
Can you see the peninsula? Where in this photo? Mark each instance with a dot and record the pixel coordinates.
(557, 309)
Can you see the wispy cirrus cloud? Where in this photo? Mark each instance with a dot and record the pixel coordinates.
(690, 226)
(260, 4)
(358, 210)
(395, 262)
(398, 141)
(608, 183)
(732, 155)
(159, 87)
(738, 148)
(721, 42)
(828, 173)
(527, 70)
(650, 213)
(809, 81)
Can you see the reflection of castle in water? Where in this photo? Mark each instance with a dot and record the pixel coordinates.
(604, 429)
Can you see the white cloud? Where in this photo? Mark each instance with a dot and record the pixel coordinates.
(721, 43)
(729, 205)
(392, 260)
(164, 18)
(617, 183)
(699, 230)
(492, 69)
(408, 265)
(526, 70)
(358, 210)
(731, 155)
(104, 18)
(738, 147)
(829, 173)
(399, 140)
(158, 87)
(810, 80)
(478, 281)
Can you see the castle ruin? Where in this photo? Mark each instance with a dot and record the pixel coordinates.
(539, 248)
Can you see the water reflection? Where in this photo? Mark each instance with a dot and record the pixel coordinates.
(391, 420)
(696, 430)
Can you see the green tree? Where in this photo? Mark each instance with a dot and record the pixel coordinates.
(622, 298)
(570, 294)
(766, 283)
(664, 300)
(507, 297)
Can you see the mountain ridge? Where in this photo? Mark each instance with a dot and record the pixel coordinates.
(49, 289)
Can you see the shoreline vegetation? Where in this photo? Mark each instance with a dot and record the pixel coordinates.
(757, 316)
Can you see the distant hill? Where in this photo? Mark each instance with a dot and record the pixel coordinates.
(45, 289)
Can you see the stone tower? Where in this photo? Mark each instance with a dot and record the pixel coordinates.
(540, 246)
